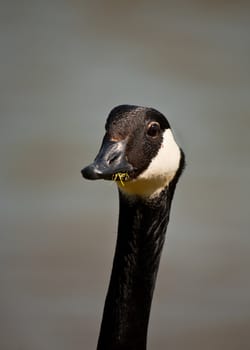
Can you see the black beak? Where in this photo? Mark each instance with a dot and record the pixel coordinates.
(109, 161)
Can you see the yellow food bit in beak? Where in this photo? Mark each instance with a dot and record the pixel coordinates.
(120, 177)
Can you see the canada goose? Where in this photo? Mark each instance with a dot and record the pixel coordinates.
(138, 152)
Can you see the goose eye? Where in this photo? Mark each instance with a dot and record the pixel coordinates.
(153, 129)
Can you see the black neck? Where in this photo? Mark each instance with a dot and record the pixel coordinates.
(141, 234)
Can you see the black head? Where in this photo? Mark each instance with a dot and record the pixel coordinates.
(139, 144)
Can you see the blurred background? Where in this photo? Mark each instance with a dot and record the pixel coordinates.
(63, 66)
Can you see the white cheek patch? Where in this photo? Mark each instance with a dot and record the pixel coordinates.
(160, 171)
(167, 160)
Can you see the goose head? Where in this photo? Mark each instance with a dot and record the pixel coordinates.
(138, 144)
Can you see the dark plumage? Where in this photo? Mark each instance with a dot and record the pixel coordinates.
(138, 142)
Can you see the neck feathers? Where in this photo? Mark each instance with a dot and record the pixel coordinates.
(141, 234)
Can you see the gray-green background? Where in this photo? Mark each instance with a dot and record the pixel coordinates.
(63, 66)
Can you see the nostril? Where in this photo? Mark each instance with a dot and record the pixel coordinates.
(113, 158)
